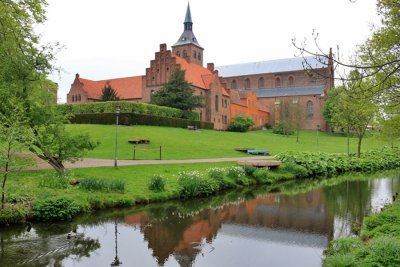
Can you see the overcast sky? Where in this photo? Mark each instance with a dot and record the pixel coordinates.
(109, 39)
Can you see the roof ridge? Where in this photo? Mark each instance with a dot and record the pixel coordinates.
(262, 61)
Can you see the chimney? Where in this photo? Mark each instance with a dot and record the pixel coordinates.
(210, 67)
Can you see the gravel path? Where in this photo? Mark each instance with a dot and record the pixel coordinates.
(91, 163)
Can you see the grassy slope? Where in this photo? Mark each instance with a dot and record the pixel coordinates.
(180, 143)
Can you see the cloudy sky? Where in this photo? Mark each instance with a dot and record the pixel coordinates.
(105, 39)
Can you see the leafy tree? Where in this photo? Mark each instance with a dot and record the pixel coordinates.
(177, 93)
(391, 129)
(292, 117)
(109, 94)
(351, 107)
(24, 65)
(14, 136)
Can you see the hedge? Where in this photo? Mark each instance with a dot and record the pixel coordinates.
(138, 119)
(127, 107)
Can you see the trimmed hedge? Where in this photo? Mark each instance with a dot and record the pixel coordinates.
(138, 119)
(127, 107)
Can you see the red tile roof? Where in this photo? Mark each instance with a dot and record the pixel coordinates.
(126, 88)
(195, 74)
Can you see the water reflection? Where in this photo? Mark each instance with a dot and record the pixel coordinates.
(250, 228)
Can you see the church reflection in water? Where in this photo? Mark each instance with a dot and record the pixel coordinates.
(301, 220)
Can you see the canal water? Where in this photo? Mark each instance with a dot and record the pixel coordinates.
(288, 225)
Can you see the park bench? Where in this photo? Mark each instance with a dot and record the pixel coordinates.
(240, 149)
(139, 141)
(191, 127)
(258, 152)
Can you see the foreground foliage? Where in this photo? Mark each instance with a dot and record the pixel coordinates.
(381, 246)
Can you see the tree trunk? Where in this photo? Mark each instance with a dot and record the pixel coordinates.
(348, 141)
(5, 176)
(360, 137)
(297, 139)
(54, 162)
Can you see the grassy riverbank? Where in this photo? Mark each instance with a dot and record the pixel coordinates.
(180, 143)
(42, 195)
(377, 245)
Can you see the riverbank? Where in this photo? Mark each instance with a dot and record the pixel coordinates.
(378, 243)
(42, 195)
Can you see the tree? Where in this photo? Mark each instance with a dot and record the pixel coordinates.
(351, 107)
(177, 93)
(14, 136)
(24, 66)
(391, 129)
(241, 124)
(291, 117)
(109, 94)
(377, 60)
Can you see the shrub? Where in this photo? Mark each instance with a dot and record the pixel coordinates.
(297, 170)
(55, 209)
(283, 129)
(344, 245)
(268, 126)
(236, 172)
(193, 184)
(383, 251)
(157, 183)
(12, 214)
(55, 182)
(249, 170)
(240, 124)
(96, 184)
(216, 173)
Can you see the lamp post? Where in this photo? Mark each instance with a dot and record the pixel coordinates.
(117, 111)
(116, 261)
(318, 137)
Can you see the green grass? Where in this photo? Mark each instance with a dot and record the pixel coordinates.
(180, 143)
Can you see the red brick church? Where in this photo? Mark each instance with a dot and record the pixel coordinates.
(257, 90)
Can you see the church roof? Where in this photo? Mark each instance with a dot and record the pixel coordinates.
(126, 88)
(290, 91)
(270, 66)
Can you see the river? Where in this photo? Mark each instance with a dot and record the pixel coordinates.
(288, 225)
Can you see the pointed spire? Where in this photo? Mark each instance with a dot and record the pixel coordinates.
(188, 17)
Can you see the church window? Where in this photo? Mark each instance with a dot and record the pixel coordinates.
(79, 97)
(261, 83)
(234, 84)
(216, 103)
(194, 54)
(278, 82)
(178, 53)
(73, 98)
(290, 81)
(184, 53)
(199, 56)
(310, 112)
(247, 83)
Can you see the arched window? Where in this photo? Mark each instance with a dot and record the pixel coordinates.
(184, 53)
(278, 82)
(310, 112)
(194, 54)
(199, 56)
(247, 83)
(234, 84)
(216, 103)
(73, 98)
(79, 97)
(261, 83)
(290, 81)
(178, 53)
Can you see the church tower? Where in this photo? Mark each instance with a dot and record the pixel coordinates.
(187, 45)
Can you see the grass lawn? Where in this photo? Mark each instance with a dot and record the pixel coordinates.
(180, 143)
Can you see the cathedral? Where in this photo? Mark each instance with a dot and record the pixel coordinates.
(266, 91)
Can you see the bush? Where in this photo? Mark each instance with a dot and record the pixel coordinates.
(12, 214)
(55, 181)
(249, 170)
(282, 129)
(55, 209)
(262, 175)
(138, 119)
(157, 183)
(344, 245)
(383, 251)
(268, 126)
(297, 170)
(96, 184)
(216, 173)
(127, 107)
(192, 184)
(240, 124)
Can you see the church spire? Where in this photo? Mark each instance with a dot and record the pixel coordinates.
(187, 37)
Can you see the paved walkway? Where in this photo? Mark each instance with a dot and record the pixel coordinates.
(91, 163)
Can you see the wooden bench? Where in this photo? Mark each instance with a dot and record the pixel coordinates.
(191, 127)
(261, 163)
(139, 141)
(258, 152)
(244, 149)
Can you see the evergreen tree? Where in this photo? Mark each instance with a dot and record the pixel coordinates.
(109, 94)
(178, 93)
